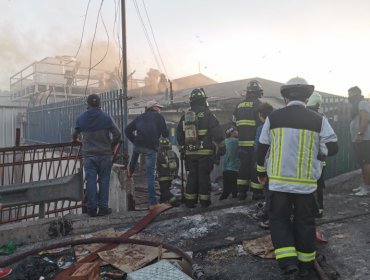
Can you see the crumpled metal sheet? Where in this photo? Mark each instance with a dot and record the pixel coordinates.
(129, 257)
(261, 247)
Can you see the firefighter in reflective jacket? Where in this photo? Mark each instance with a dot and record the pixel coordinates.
(246, 120)
(167, 170)
(298, 139)
(197, 132)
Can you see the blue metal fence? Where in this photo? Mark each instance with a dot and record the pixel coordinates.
(54, 123)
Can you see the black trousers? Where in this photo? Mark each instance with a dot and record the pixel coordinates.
(229, 182)
(198, 184)
(320, 191)
(164, 188)
(292, 224)
(247, 175)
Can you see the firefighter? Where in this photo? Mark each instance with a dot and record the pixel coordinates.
(298, 139)
(167, 170)
(246, 120)
(197, 132)
(314, 103)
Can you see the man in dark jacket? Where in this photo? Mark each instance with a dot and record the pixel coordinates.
(99, 136)
(196, 132)
(149, 127)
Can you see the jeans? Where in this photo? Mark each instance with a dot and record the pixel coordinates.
(97, 167)
(150, 160)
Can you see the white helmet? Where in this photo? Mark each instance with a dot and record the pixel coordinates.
(315, 100)
(296, 88)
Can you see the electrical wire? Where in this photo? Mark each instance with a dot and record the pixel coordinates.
(155, 41)
(146, 34)
(106, 51)
(92, 46)
(83, 29)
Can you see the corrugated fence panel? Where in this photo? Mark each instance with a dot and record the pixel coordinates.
(8, 125)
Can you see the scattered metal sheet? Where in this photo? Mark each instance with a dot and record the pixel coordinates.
(260, 247)
(161, 270)
(129, 257)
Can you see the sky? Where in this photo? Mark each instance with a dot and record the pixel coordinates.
(325, 41)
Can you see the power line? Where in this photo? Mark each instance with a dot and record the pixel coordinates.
(155, 41)
(106, 51)
(146, 35)
(92, 45)
(83, 28)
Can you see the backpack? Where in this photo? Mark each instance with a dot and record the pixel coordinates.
(173, 161)
(191, 129)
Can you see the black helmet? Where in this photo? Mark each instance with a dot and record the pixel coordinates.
(254, 87)
(297, 89)
(93, 100)
(197, 94)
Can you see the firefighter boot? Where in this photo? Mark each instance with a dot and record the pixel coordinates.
(242, 192)
(225, 192)
(257, 195)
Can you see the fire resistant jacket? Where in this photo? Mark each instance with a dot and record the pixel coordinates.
(208, 128)
(246, 120)
(298, 139)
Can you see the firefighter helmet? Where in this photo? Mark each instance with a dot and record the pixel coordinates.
(93, 100)
(315, 100)
(254, 87)
(354, 91)
(197, 94)
(297, 88)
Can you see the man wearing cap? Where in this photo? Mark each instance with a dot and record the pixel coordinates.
(360, 134)
(99, 136)
(149, 127)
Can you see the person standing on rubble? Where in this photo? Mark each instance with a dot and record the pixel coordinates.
(299, 140)
(314, 103)
(144, 132)
(99, 137)
(360, 134)
(197, 131)
(230, 164)
(246, 119)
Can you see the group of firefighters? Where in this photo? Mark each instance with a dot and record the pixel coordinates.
(280, 157)
(293, 143)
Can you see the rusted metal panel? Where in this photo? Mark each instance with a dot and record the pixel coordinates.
(27, 164)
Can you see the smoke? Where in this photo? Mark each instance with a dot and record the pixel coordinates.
(20, 49)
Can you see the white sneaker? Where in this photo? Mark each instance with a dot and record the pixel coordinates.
(363, 192)
(359, 188)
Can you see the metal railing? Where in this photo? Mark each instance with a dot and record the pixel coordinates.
(34, 163)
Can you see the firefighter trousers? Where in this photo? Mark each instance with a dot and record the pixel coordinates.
(247, 175)
(198, 184)
(292, 227)
(164, 188)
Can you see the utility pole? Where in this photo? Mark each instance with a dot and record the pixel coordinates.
(124, 71)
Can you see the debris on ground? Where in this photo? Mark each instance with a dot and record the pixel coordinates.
(8, 248)
(261, 247)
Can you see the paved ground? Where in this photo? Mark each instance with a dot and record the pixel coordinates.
(215, 234)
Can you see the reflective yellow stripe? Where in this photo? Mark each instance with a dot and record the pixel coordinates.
(310, 152)
(203, 197)
(301, 152)
(280, 151)
(190, 196)
(273, 152)
(242, 182)
(246, 122)
(285, 252)
(324, 163)
(256, 186)
(202, 152)
(164, 165)
(164, 178)
(306, 257)
(298, 181)
(246, 143)
(245, 104)
(261, 168)
(202, 132)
